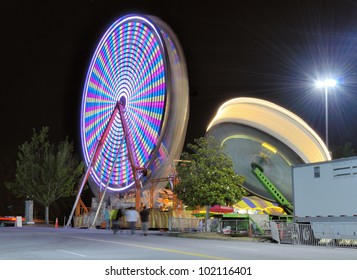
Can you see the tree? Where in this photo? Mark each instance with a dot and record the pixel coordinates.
(343, 151)
(206, 176)
(45, 172)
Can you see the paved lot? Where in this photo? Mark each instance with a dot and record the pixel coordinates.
(41, 243)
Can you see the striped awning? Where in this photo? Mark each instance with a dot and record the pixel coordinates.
(259, 205)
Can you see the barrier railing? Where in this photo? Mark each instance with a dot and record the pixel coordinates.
(183, 224)
(232, 227)
(316, 234)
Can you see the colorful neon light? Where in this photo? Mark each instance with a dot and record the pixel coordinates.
(128, 65)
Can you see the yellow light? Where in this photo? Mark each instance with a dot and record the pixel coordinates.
(269, 147)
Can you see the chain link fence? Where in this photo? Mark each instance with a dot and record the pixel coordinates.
(316, 234)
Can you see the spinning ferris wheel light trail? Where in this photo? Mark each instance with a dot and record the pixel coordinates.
(136, 89)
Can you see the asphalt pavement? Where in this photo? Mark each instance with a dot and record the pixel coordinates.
(48, 243)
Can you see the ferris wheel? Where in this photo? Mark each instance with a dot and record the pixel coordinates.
(134, 109)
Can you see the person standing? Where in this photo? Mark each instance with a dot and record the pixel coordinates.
(116, 221)
(144, 215)
(106, 218)
(132, 216)
(200, 226)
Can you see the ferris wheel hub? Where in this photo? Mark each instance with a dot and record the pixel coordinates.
(122, 101)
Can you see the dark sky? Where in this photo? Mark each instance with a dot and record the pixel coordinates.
(269, 49)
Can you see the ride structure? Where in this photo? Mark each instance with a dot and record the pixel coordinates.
(264, 141)
(134, 110)
(258, 171)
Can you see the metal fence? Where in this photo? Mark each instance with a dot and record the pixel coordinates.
(232, 227)
(229, 226)
(183, 224)
(316, 234)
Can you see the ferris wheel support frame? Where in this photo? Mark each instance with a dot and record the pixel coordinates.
(104, 191)
(134, 167)
(119, 108)
(92, 162)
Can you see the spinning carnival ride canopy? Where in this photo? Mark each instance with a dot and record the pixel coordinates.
(260, 132)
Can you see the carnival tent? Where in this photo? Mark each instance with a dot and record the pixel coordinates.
(258, 205)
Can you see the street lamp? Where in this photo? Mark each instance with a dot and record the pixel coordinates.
(326, 84)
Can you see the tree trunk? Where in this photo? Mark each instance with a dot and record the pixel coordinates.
(47, 220)
(207, 218)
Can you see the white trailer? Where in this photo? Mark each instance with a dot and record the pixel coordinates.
(325, 196)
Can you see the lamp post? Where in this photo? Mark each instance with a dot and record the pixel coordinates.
(327, 83)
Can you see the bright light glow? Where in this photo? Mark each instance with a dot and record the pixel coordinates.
(129, 63)
(326, 83)
(139, 61)
(253, 124)
(269, 147)
(276, 121)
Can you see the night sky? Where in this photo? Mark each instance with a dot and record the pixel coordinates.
(272, 50)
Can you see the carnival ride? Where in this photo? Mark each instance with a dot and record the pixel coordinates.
(264, 140)
(134, 116)
(134, 110)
